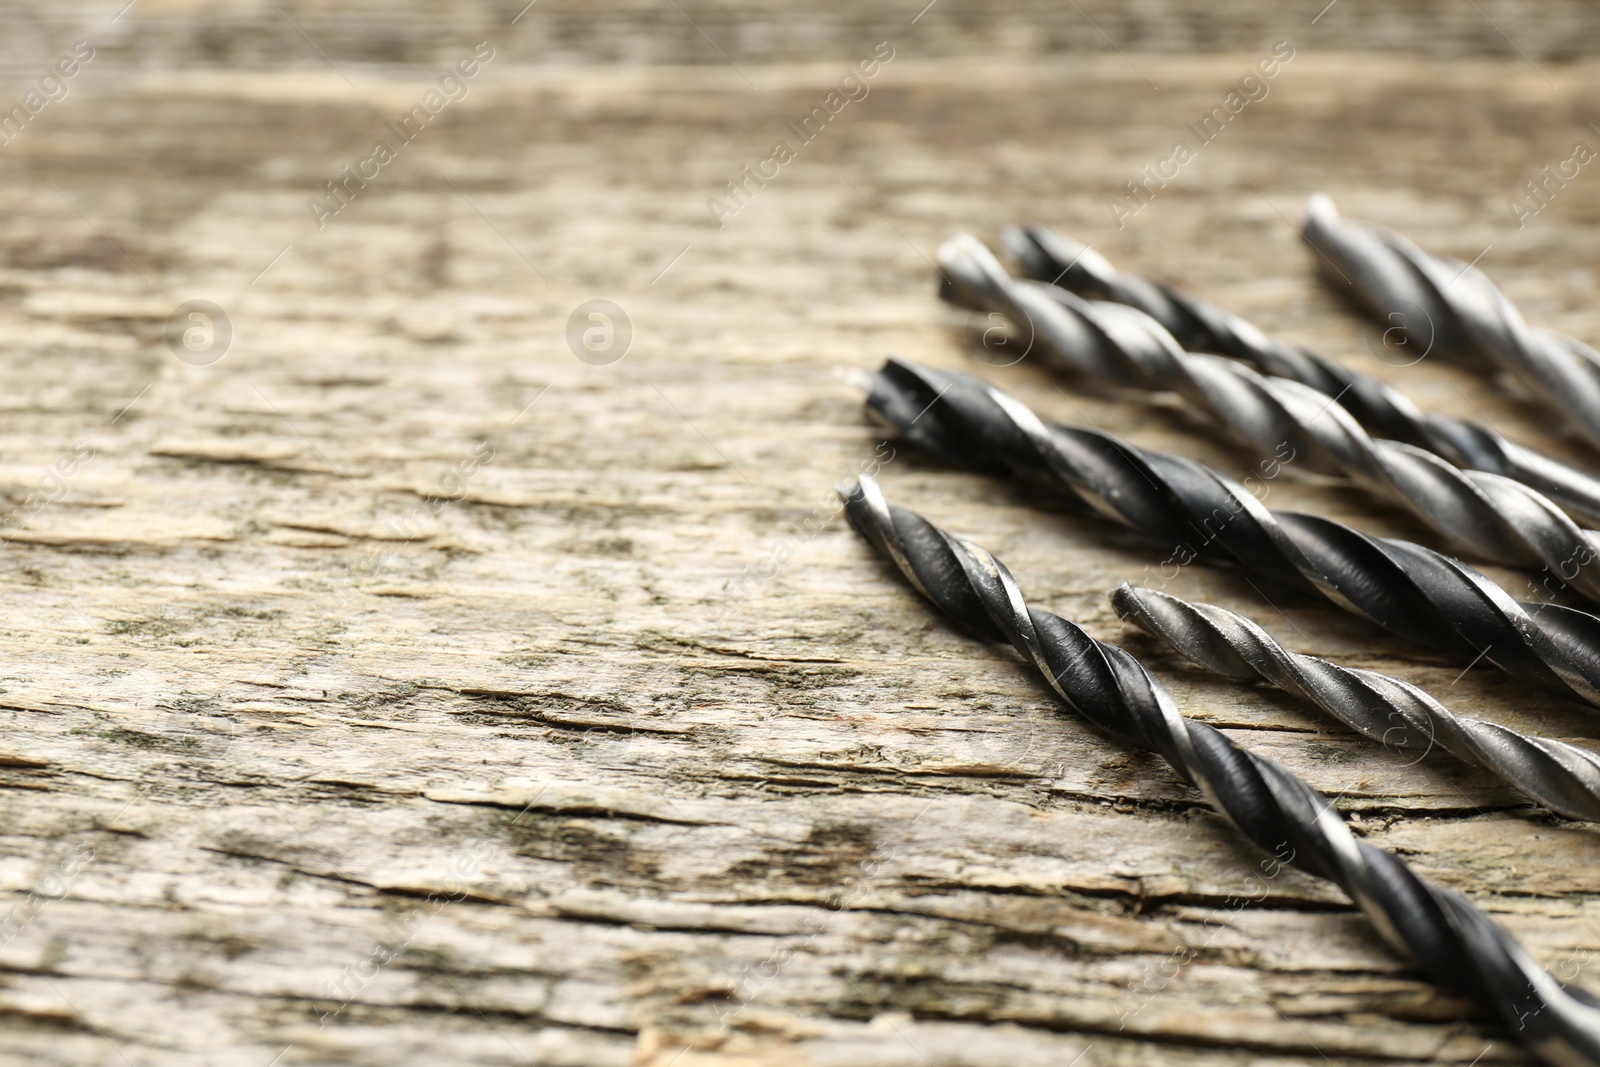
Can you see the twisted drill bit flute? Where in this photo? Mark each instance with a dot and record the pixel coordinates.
(1201, 326)
(1485, 516)
(1457, 945)
(1562, 777)
(1448, 307)
(1411, 591)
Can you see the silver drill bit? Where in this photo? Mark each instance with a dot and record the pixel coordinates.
(1485, 516)
(1562, 777)
(1453, 310)
(1203, 515)
(1201, 326)
(1454, 942)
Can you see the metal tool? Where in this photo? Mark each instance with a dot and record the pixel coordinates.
(1202, 515)
(1454, 942)
(1201, 326)
(1485, 516)
(1451, 309)
(1562, 777)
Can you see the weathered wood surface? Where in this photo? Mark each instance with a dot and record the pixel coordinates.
(547, 777)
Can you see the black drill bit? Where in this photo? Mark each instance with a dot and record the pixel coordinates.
(1201, 326)
(1452, 309)
(1455, 943)
(1202, 514)
(1562, 777)
(1485, 516)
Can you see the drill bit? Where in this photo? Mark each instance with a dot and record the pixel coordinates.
(1455, 943)
(1486, 516)
(1562, 777)
(1448, 307)
(1202, 514)
(1201, 326)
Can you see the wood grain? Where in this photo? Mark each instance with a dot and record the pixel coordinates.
(401, 688)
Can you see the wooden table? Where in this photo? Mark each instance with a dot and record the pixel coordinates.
(400, 688)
